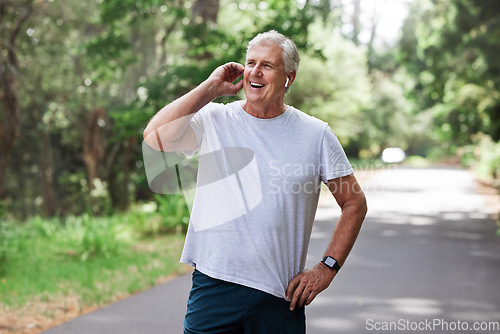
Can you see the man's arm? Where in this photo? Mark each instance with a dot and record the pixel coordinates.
(304, 287)
(169, 129)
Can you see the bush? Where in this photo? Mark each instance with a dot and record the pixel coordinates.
(4, 246)
(9, 238)
(174, 213)
(99, 201)
(488, 165)
(44, 227)
(3, 211)
(93, 237)
(416, 161)
(144, 219)
(74, 192)
(483, 155)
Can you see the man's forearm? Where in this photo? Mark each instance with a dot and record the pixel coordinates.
(347, 229)
(171, 122)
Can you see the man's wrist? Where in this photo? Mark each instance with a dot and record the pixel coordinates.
(331, 263)
(327, 271)
(208, 90)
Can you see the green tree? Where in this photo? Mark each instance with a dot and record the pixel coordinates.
(335, 88)
(451, 50)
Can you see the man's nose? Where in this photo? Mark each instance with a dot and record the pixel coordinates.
(257, 71)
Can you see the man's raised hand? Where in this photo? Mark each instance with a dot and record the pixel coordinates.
(222, 79)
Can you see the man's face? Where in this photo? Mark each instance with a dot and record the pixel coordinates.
(264, 77)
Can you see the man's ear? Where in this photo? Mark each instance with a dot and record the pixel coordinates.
(291, 77)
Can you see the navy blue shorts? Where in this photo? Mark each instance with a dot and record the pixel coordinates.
(216, 306)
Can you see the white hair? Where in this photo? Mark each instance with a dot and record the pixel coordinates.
(272, 38)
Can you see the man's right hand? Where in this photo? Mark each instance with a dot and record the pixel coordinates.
(222, 78)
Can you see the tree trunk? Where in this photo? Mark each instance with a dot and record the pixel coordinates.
(9, 102)
(8, 123)
(203, 20)
(356, 24)
(93, 144)
(373, 33)
(205, 11)
(118, 174)
(47, 174)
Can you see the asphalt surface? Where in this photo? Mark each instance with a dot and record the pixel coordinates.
(427, 261)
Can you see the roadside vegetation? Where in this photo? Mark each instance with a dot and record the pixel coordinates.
(85, 261)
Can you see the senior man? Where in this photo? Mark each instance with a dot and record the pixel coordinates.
(249, 264)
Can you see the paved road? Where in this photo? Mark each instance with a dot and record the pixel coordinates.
(427, 258)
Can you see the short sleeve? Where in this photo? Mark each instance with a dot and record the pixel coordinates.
(197, 124)
(333, 160)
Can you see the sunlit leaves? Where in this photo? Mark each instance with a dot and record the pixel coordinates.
(455, 59)
(336, 89)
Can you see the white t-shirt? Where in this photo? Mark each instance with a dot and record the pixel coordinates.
(257, 194)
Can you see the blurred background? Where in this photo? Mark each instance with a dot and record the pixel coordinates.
(79, 81)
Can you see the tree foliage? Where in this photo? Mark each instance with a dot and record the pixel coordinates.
(450, 48)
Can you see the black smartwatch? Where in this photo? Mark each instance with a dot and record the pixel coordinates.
(331, 263)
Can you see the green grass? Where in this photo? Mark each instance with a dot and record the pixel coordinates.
(42, 269)
(97, 259)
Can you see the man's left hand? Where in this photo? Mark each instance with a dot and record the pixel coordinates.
(304, 287)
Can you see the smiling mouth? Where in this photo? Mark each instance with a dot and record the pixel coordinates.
(256, 85)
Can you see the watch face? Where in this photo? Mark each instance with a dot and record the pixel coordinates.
(329, 261)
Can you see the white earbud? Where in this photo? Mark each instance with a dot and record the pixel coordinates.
(286, 84)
